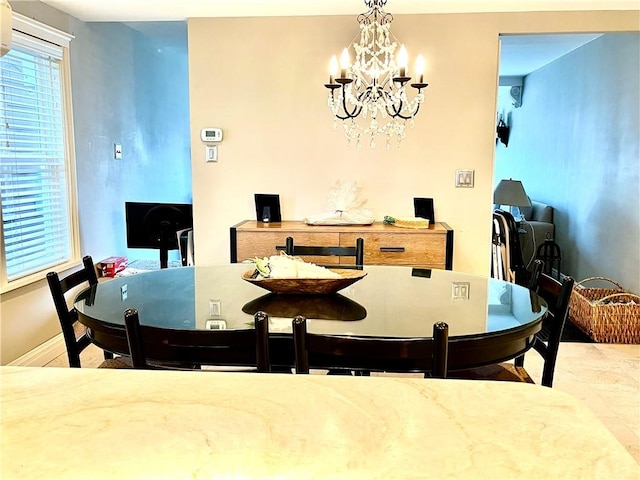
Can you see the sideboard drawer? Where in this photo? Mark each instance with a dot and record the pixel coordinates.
(401, 249)
(383, 244)
(265, 243)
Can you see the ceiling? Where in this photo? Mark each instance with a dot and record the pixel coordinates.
(163, 10)
(523, 54)
(520, 54)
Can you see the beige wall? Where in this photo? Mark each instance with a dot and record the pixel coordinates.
(26, 314)
(260, 80)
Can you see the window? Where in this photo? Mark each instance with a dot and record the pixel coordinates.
(37, 184)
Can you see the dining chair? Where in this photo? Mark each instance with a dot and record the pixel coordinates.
(75, 334)
(428, 355)
(166, 348)
(356, 251)
(507, 255)
(546, 342)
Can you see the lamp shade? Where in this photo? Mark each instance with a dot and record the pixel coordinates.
(511, 192)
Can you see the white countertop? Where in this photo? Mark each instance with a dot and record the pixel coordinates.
(60, 423)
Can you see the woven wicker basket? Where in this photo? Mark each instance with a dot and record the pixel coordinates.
(608, 315)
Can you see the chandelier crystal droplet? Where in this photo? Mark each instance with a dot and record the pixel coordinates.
(369, 96)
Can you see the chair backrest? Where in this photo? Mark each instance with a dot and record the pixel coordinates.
(152, 346)
(534, 278)
(68, 316)
(549, 252)
(356, 251)
(507, 235)
(556, 293)
(366, 353)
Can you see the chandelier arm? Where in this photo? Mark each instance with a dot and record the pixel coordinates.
(355, 112)
(404, 117)
(348, 115)
(396, 113)
(390, 107)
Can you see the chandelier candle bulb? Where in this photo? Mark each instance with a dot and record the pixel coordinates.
(420, 68)
(403, 60)
(344, 63)
(333, 69)
(375, 73)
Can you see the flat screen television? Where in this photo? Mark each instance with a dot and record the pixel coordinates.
(155, 225)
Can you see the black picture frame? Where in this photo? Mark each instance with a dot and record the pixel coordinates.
(268, 207)
(423, 208)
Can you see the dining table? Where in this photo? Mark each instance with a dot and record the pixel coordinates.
(70, 423)
(489, 320)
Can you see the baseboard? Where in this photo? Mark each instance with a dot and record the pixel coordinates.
(42, 354)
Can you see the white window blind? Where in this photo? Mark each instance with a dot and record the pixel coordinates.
(34, 173)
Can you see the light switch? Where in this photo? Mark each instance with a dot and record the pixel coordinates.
(215, 308)
(211, 153)
(460, 290)
(464, 178)
(117, 151)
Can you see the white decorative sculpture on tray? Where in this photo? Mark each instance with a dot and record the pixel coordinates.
(345, 207)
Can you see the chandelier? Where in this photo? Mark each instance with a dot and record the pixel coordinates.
(369, 96)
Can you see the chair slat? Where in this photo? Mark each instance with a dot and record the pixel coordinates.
(364, 353)
(157, 347)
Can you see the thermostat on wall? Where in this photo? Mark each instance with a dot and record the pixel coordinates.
(211, 134)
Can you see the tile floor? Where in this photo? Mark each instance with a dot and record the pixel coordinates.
(605, 377)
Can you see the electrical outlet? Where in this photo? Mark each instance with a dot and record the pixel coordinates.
(215, 325)
(123, 292)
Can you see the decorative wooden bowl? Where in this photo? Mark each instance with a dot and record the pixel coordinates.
(310, 286)
(317, 307)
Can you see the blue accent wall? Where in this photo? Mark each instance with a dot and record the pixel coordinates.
(574, 143)
(132, 90)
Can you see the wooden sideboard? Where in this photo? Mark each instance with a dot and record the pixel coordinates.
(383, 244)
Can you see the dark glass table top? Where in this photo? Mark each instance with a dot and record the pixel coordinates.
(390, 301)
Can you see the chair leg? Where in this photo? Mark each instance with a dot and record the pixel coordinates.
(519, 361)
(108, 355)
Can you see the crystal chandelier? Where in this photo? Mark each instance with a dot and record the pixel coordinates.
(369, 96)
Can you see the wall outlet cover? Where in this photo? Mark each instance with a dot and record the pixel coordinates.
(465, 178)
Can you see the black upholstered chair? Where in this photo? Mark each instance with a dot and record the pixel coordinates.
(546, 342)
(356, 251)
(164, 348)
(75, 334)
(428, 355)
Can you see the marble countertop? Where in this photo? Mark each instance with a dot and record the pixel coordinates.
(60, 423)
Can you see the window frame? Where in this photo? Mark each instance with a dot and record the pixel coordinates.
(28, 31)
